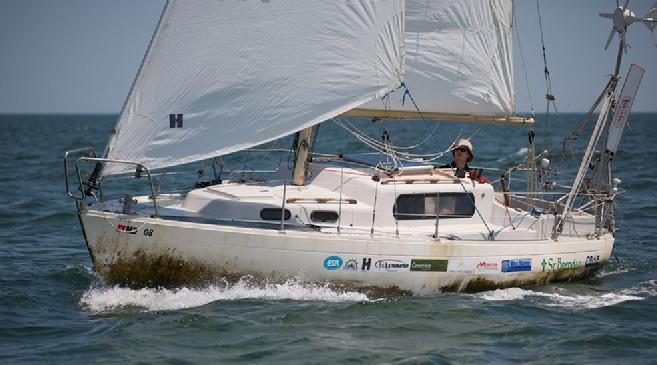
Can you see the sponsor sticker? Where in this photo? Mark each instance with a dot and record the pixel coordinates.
(350, 265)
(391, 265)
(429, 265)
(126, 229)
(333, 263)
(367, 263)
(592, 261)
(488, 267)
(461, 266)
(516, 265)
(555, 264)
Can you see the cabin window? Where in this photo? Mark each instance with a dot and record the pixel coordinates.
(274, 214)
(324, 216)
(423, 206)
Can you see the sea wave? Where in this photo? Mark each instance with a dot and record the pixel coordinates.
(560, 300)
(519, 153)
(639, 291)
(107, 299)
(615, 271)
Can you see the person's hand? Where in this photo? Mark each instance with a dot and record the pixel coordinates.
(483, 179)
(480, 178)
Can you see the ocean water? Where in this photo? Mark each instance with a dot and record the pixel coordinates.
(54, 309)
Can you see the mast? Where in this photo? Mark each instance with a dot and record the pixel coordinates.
(302, 148)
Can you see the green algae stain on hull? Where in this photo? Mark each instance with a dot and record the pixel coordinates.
(139, 269)
(143, 270)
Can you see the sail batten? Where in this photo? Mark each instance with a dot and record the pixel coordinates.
(221, 76)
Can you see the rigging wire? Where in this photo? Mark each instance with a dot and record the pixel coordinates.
(373, 140)
(549, 97)
(568, 142)
(417, 108)
(382, 148)
(524, 64)
(394, 151)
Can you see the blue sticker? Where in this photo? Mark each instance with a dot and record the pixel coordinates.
(332, 262)
(516, 265)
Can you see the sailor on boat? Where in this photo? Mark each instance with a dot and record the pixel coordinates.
(462, 152)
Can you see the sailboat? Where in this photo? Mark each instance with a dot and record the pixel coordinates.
(221, 77)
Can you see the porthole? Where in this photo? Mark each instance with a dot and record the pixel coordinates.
(324, 216)
(274, 214)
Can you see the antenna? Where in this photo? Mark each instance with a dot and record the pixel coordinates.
(623, 17)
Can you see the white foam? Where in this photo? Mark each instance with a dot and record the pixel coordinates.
(590, 301)
(149, 299)
(506, 294)
(569, 300)
(646, 289)
(605, 272)
(86, 269)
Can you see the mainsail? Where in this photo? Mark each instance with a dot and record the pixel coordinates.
(458, 61)
(221, 76)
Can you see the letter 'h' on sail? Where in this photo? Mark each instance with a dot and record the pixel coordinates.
(222, 76)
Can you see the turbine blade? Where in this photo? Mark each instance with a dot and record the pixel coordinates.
(650, 19)
(650, 23)
(611, 36)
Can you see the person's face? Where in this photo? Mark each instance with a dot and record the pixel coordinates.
(461, 155)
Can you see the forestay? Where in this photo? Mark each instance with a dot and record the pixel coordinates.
(458, 59)
(221, 76)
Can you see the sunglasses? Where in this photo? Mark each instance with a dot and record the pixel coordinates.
(462, 149)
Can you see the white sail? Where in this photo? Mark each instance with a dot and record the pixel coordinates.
(221, 76)
(458, 58)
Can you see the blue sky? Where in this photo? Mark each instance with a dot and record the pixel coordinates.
(80, 56)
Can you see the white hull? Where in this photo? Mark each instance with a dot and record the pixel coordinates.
(169, 253)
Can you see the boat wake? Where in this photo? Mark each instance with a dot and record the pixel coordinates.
(640, 291)
(108, 299)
